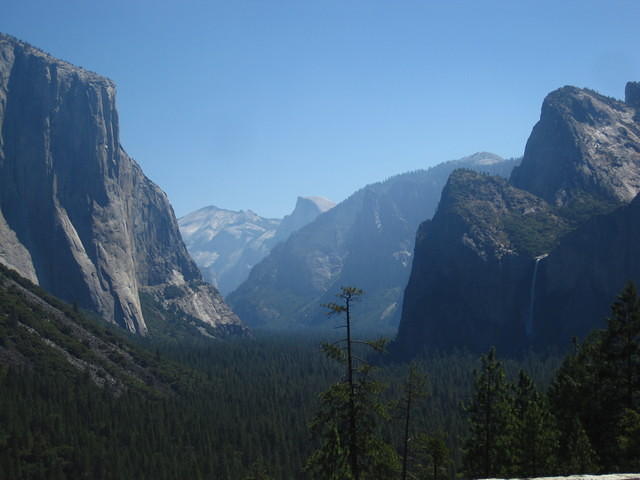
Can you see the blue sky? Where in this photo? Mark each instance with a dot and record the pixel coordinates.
(248, 104)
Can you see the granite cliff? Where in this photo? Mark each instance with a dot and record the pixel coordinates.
(306, 211)
(583, 149)
(77, 214)
(366, 240)
(536, 260)
(581, 277)
(469, 284)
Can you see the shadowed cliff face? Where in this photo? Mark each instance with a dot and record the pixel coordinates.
(563, 221)
(78, 216)
(472, 267)
(580, 279)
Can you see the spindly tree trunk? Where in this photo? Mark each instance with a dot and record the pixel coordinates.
(350, 411)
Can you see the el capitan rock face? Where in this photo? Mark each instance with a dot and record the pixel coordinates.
(77, 215)
(366, 241)
(537, 260)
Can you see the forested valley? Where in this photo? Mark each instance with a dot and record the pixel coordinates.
(242, 408)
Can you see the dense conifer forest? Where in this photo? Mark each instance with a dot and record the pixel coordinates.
(242, 409)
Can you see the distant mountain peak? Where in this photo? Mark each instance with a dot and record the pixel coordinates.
(483, 158)
(226, 244)
(323, 204)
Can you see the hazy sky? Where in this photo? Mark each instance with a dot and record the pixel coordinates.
(248, 104)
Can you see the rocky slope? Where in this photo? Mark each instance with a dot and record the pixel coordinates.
(227, 244)
(39, 332)
(536, 260)
(366, 241)
(77, 215)
(585, 145)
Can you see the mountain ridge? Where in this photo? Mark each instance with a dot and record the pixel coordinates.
(366, 240)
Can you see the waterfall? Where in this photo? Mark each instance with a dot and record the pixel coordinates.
(532, 295)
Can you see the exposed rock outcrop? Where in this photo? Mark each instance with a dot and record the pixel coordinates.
(583, 149)
(365, 241)
(632, 94)
(78, 215)
(535, 261)
(306, 211)
(49, 334)
(469, 285)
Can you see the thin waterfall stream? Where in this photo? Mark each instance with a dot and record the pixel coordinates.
(532, 295)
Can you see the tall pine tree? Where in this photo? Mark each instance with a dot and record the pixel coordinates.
(431, 457)
(621, 351)
(489, 448)
(619, 375)
(596, 393)
(414, 389)
(535, 433)
(347, 423)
